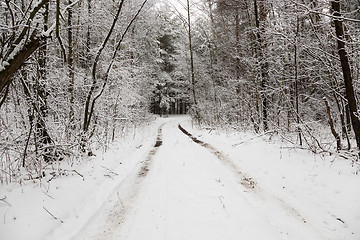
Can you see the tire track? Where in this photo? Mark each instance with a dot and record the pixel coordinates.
(245, 180)
(116, 215)
(145, 167)
(248, 182)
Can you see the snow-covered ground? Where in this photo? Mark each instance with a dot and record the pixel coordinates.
(322, 191)
(72, 199)
(162, 184)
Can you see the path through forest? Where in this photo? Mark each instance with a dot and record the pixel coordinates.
(186, 189)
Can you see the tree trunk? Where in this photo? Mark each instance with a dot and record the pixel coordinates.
(15, 63)
(71, 68)
(237, 37)
(331, 123)
(260, 17)
(192, 71)
(296, 81)
(41, 131)
(88, 104)
(57, 30)
(88, 39)
(90, 101)
(32, 42)
(213, 59)
(345, 65)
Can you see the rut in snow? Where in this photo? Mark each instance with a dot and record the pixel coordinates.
(246, 181)
(145, 168)
(119, 211)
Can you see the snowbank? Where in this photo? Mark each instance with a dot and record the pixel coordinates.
(58, 209)
(323, 189)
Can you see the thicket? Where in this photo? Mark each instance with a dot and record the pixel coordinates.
(74, 76)
(77, 74)
(278, 67)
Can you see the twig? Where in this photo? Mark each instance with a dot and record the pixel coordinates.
(220, 198)
(294, 147)
(79, 174)
(340, 220)
(122, 204)
(110, 170)
(5, 216)
(107, 175)
(4, 200)
(51, 178)
(48, 195)
(53, 215)
(286, 139)
(257, 136)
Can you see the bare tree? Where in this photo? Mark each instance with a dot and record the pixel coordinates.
(192, 70)
(260, 18)
(91, 100)
(346, 70)
(19, 45)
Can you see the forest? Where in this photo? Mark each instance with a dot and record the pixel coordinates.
(77, 74)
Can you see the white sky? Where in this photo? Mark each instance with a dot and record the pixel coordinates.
(181, 7)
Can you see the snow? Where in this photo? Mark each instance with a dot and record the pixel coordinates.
(3, 65)
(47, 34)
(213, 189)
(14, 52)
(322, 189)
(70, 198)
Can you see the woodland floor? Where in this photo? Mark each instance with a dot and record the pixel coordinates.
(190, 183)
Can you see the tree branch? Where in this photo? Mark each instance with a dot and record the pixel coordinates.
(12, 66)
(113, 59)
(88, 114)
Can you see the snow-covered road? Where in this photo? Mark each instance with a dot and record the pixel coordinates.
(188, 190)
(162, 183)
